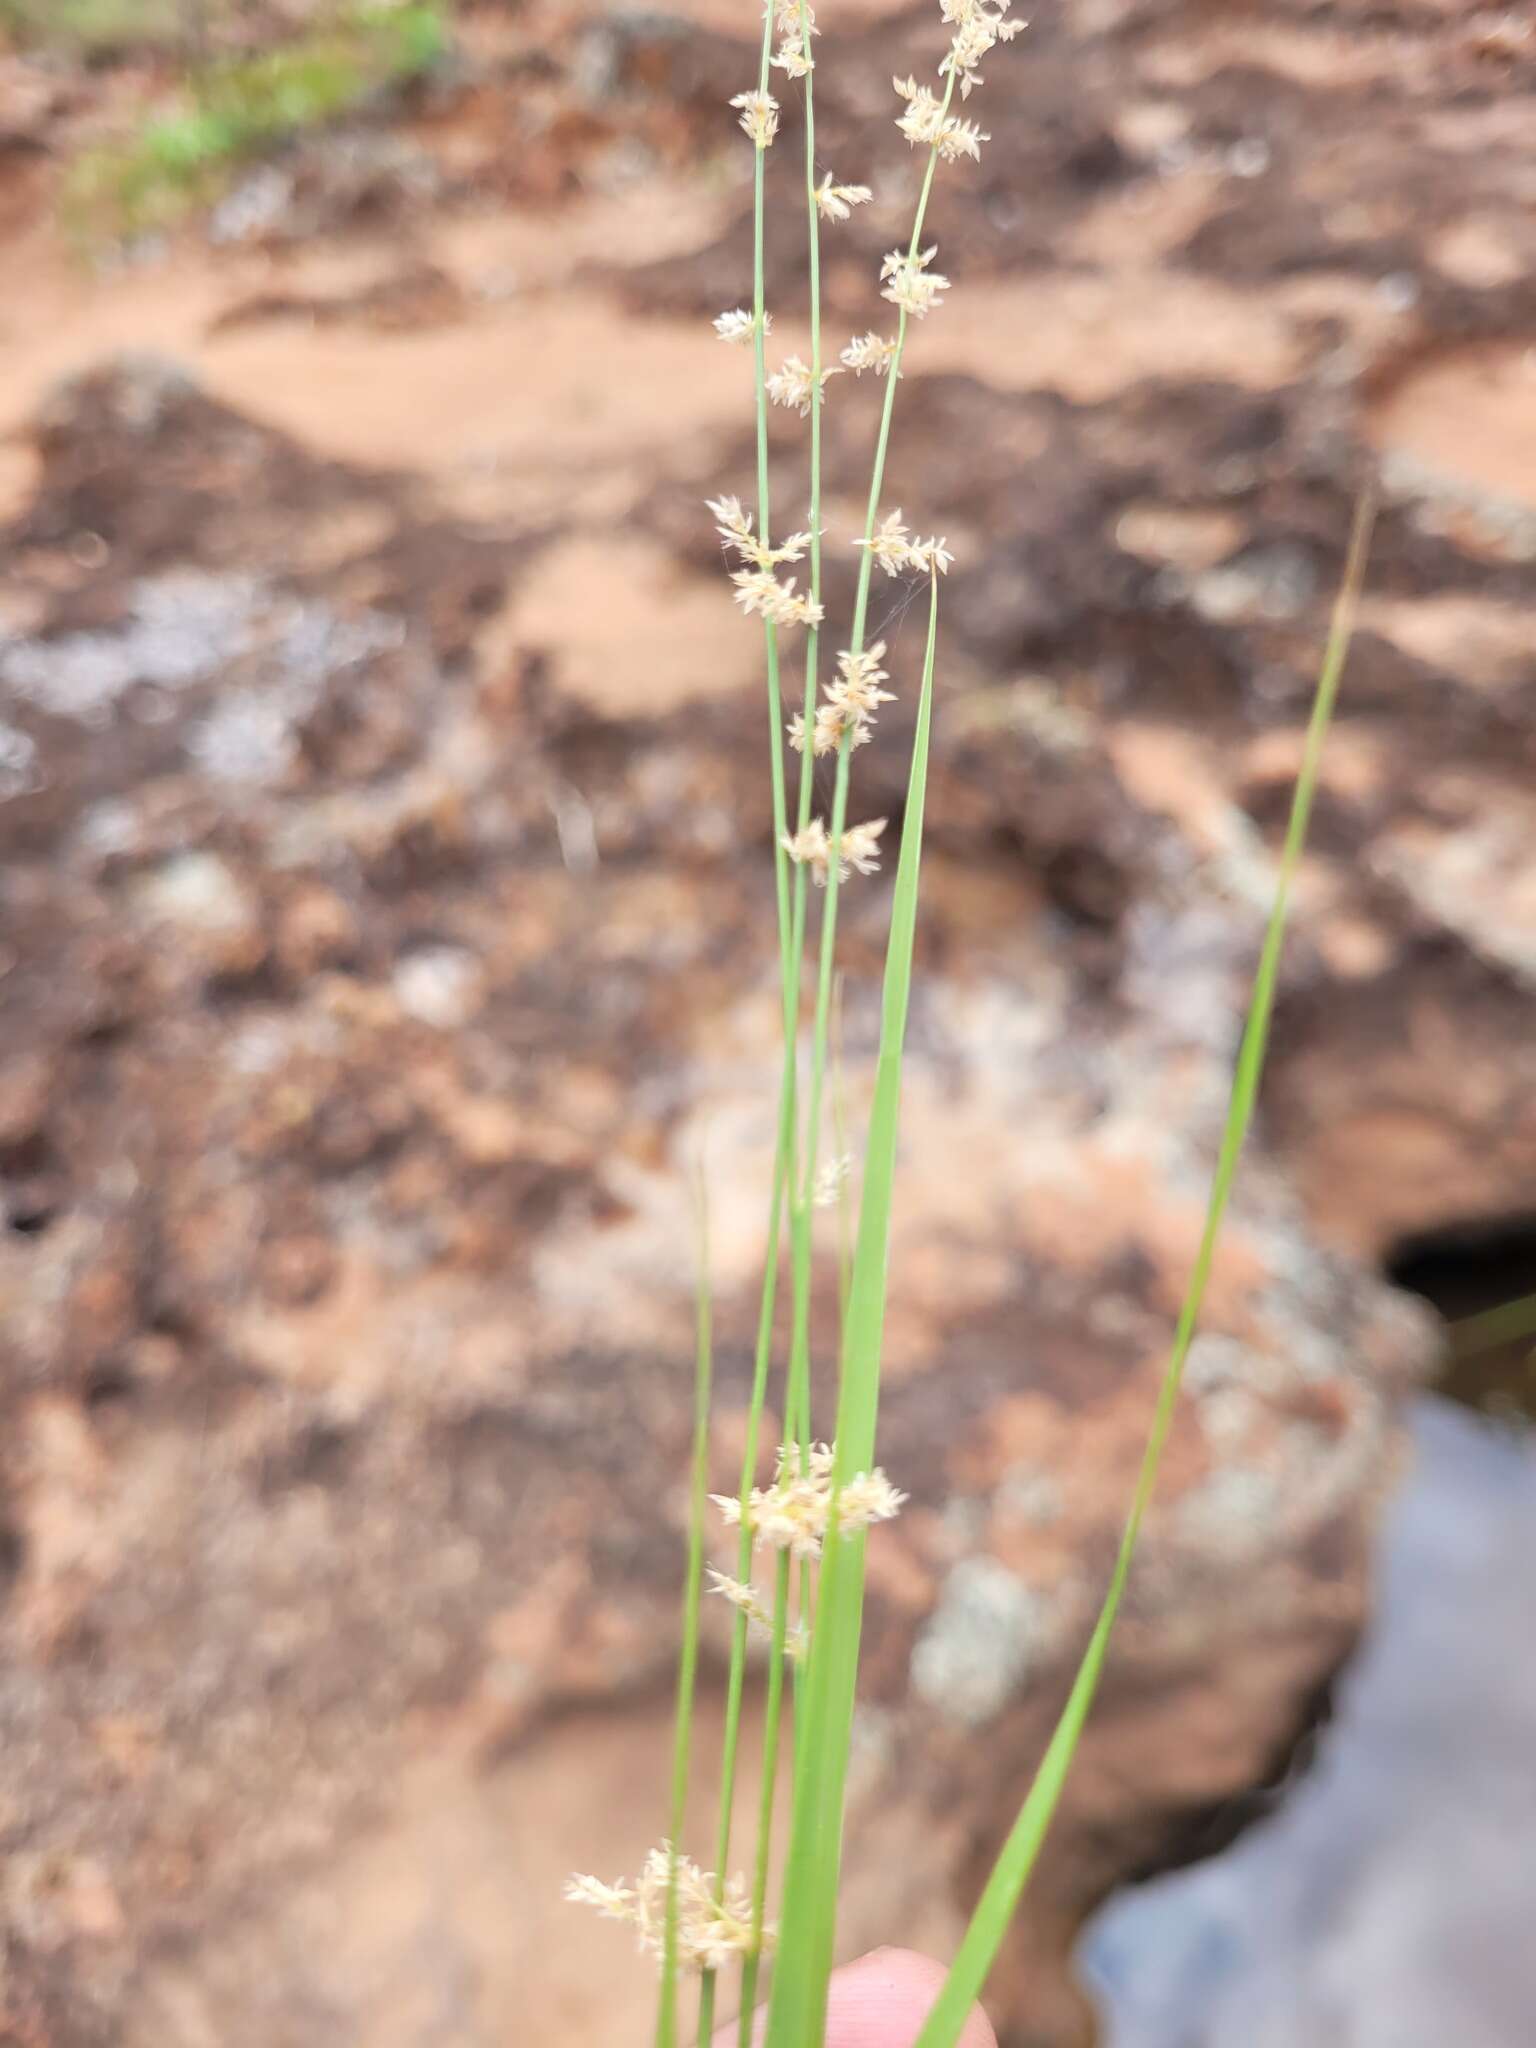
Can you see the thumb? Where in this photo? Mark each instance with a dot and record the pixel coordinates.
(881, 2001)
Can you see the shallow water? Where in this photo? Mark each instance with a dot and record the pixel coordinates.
(1391, 1902)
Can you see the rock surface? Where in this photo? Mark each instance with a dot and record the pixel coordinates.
(386, 912)
(1385, 1904)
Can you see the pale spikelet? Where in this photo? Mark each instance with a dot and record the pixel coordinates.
(912, 286)
(792, 1514)
(834, 724)
(857, 690)
(868, 352)
(828, 731)
(759, 116)
(890, 543)
(861, 849)
(739, 326)
(790, 58)
(743, 1598)
(831, 1179)
(613, 1901)
(977, 29)
(868, 1498)
(786, 19)
(924, 121)
(793, 384)
(760, 594)
(733, 523)
(711, 1933)
(960, 138)
(836, 202)
(790, 549)
(932, 556)
(806, 848)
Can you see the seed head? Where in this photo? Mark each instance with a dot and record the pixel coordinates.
(792, 1514)
(932, 556)
(835, 202)
(912, 286)
(759, 592)
(792, 385)
(714, 1920)
(868, 1498)
(759, 117)
(861, 850)
(857, 690)
(889, 544)
(733, 523)
(743, 1597)
(613, 1901)
(959, 138)
(806, 848)
(786, 18)
(923, 121)
(868, 352)
(790, 58)
(978, 26)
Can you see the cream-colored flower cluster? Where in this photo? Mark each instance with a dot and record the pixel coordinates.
(712, 1932)
(836, 202)
(790, 57)
(746, 1600)
(925, 123)
(794, 385)
(908, 282)
(793, 1514)
(869, 352)
(978, 29)
(739, 325)
(858, 848)
(759, 592)
(849, 704)
(893, 547)
(759, 117)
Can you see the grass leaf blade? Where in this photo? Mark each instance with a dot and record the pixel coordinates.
(996, 1907)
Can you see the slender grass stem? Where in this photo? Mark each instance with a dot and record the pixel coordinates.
(995, 1910)
(840, 1140)
(797, 2009)
(797, 1398)
(888, 410)
(688, 1654)
(773, 1716)
(801, 1200)
(798, 1406)
(790, 924)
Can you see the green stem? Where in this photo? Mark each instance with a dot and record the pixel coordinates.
(989, 1923)
(801, 1198)
(688, 1654)
(882, 443)
(797, 2011)
(784, 1150)
(798, 1403)
(774, 1714)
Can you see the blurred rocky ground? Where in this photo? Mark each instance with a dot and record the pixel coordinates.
(386, 921)
(1385, 1902)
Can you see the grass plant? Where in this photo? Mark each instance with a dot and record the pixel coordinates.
(806, 1529)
